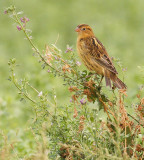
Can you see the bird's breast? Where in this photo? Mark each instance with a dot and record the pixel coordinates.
(85, 54)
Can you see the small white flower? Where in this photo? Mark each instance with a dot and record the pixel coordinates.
(40, 94)
(78, 63)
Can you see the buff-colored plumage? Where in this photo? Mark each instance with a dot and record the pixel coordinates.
(95, 57)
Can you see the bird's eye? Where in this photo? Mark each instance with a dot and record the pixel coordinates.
(84, 29)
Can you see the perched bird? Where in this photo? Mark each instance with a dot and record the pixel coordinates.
(95, 57)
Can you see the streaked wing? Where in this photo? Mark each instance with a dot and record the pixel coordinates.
(106, 64)
(101, 57)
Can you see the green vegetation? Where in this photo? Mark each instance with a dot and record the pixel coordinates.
(39, 121)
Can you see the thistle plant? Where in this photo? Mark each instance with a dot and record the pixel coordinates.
(76, 130)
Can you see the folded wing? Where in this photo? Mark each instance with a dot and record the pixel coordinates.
(101, 57)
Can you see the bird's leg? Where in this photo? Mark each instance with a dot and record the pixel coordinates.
(100, 81)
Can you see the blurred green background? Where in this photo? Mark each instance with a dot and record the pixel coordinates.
(118, 24)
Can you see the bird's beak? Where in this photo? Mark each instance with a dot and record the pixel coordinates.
(77, 29)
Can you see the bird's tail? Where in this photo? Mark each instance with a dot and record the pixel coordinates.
(118, 83)
(108, 81)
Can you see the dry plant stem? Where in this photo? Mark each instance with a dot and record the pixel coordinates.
(123, 111)
(135, 120)
(107, 108)
(125, 139)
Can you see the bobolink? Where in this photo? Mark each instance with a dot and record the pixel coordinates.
(95, 57)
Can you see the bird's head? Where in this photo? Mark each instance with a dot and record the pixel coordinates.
(84, 30)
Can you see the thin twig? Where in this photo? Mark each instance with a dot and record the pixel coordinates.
(135, 119)
(125, 139)
(22, 92)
